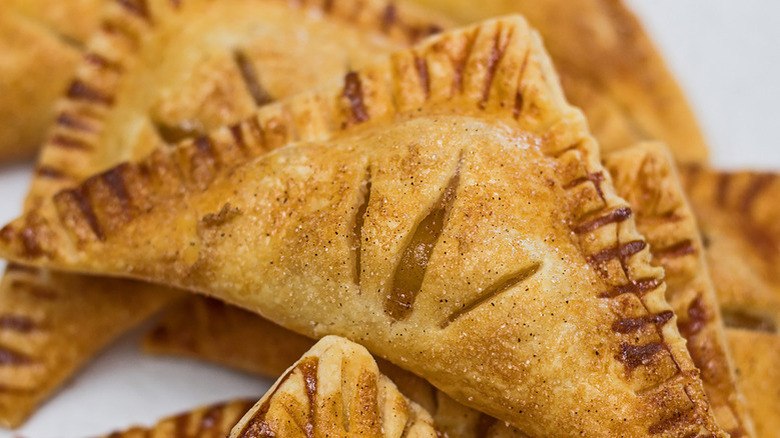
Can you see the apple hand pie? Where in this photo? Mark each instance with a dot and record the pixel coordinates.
(449, 212)
(205, 328)
(738, 215)
(335, 390)
(645, 175)
(44, 334)
(36, 64)
(205, 422)
(756, 355)
(739, 218)
(609, 68)
(144, 81)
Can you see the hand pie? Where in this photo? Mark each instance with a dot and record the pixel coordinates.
(50, 322)
(408, 180)
(756, 355)
(646, 177)
(204, 328)
(122, 89)
(206, 422)
(35, 69)
(335, 390)
(739, 218)
(608, 66)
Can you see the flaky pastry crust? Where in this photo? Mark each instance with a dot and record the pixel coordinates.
(646, 176)
(738, 215)
(470, 157)
(335, 390)
(756, 355)
(207, 329)
(609, 68)
(132, 92)
(212, 421)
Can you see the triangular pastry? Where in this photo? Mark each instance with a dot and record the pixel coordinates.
(34, 70)
(135, 71)
(739, 217)
(204, 328)
(756, 355)
(609, 68)
(211, 421)
(335, 390)
(646, 176)
(420, 172)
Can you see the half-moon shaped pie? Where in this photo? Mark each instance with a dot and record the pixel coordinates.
(738, 215)
(646, 176)
(35, 68)
(446, 208)
(335, 390)
(756, 355)
(212, 421)
(609, 68)
(143, 81)
(740, 219)
(204, 328)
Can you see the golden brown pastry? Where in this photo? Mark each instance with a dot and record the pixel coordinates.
(167, 69)
(756, 355)
(204, 328)
(73, 21)
(35, 68)
(740, 221)
(646, 176)
(608, 66)
(50, 322)
(335, 390)
(405, 184)
(205, 422)
(738, 216)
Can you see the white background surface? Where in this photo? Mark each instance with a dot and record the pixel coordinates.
(725, 53)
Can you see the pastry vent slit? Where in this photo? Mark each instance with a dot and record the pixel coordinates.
(138, 8)
(174, 134)
(746, 320)
(357, 228)
(251, 78)
(410, 271)
(493, 291)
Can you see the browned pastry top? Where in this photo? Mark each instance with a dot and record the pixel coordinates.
(434, 170)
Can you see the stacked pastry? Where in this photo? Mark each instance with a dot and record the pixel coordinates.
(377, 176)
